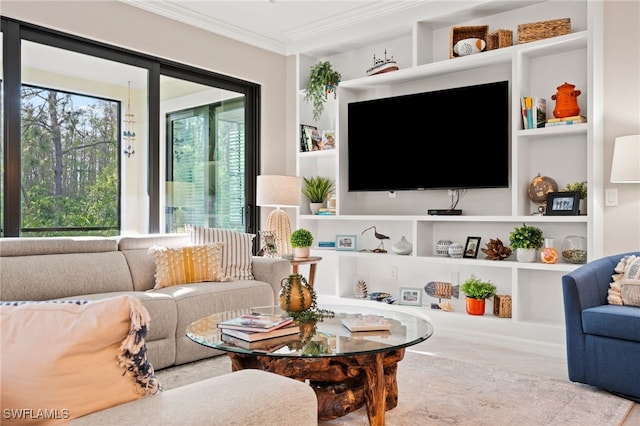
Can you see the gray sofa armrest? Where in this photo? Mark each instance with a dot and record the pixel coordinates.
(271, 270)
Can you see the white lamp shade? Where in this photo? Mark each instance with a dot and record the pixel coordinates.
(625, 167)
(278, 191)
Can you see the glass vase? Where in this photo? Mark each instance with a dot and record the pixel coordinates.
(548, 254)
(574, 249)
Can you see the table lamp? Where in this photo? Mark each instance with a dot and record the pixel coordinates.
(625, 167)
(279, 191)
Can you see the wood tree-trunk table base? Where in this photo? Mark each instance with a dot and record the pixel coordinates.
(342, 383)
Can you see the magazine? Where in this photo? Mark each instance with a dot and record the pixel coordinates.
(366, 323)
(258, 323)
(252, 336)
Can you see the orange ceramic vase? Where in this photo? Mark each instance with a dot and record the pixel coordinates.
(566, 101)
(475, 306)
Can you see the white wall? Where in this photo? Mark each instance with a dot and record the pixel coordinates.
(621, 117)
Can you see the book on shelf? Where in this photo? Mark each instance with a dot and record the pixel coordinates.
(258, 323)
(576, 119)
(268, 345)
(305, 137)
(254, 336)
(316, 140)
(539, 112)
(367, 322)
(327, 244)
(534, 112)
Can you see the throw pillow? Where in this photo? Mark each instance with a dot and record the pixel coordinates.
(630, 284)
(185, 265)
(65, 359)
(237, 251)
(614, 294)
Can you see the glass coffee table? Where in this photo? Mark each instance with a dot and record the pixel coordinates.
(346, 369)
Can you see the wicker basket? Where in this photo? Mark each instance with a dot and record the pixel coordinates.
(499, 38)
(502, 306)
(543, 29)
(460, 33)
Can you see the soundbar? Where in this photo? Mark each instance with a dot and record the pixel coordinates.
(444, 212)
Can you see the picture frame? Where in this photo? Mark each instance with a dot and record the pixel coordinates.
(346, 242)
(269, 244)
(410, 296)
(562, 204)
(472, 247)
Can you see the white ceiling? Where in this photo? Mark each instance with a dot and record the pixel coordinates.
(320, 28)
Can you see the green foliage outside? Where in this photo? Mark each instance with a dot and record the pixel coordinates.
(70, 176)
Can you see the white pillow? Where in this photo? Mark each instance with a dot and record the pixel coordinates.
(236, 253)
(72, 358)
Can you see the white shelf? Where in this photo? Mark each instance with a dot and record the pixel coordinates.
(565, 153)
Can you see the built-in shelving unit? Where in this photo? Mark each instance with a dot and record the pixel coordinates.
(568, 154)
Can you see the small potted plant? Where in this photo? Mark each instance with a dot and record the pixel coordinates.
(526, 241)
(301, 240)
(477, 292)
(323, 80)
(581, 188)
(317, 189)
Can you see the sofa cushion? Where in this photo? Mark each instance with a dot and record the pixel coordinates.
(617, 322)
(185, 265)
(135, 249)
(236, 253)
(630, 288)
(73, 357)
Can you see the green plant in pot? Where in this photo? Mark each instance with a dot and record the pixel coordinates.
(526, 241)
(317, 189)
(301, 240)
(323, 80)
(477, 291)
(580, 188)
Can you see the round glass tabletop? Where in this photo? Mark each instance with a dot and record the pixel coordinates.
(325, 338)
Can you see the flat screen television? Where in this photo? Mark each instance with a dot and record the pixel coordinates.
(454, 138)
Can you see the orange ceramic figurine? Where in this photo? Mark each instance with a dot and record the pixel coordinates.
(566, 101)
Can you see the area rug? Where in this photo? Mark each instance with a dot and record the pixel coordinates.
(439, 391)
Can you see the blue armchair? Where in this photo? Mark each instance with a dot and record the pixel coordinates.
(603, 340)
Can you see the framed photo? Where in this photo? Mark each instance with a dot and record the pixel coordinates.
(472, 247)
(346, 242)
(410, 296)
(269, 244)
(562, 204)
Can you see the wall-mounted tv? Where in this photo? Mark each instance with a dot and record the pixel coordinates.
(454, 138)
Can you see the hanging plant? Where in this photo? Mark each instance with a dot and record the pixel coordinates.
(323, 81)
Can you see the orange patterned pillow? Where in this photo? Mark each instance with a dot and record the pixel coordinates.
(185, 265)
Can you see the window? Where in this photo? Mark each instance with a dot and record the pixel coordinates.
(100, 80)
(70, 169)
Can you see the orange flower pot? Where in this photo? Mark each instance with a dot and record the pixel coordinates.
(475, 306)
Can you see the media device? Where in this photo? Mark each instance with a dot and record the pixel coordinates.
(454, 138)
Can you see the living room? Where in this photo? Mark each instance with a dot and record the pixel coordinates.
(279, 76)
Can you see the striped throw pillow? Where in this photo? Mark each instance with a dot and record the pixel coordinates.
(185, 265)
(237, 251)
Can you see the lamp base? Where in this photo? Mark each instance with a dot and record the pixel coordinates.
(278, 223)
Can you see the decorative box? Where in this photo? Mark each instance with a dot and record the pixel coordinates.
(499, 38)
(461, 33)
(543, 29)
(502, 306)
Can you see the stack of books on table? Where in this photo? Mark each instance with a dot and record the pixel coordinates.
(574, 119)
(362, 323)
(255, 327)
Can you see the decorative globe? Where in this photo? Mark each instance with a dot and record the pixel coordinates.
(539, 187)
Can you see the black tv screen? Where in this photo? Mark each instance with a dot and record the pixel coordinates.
(445, 139)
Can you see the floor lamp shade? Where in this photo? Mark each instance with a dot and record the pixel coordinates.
(625, 167)
(279, 191)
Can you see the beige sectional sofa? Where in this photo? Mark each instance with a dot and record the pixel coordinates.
(96, 268)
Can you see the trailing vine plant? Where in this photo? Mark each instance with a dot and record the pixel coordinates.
(323, 81)
(313, 313)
